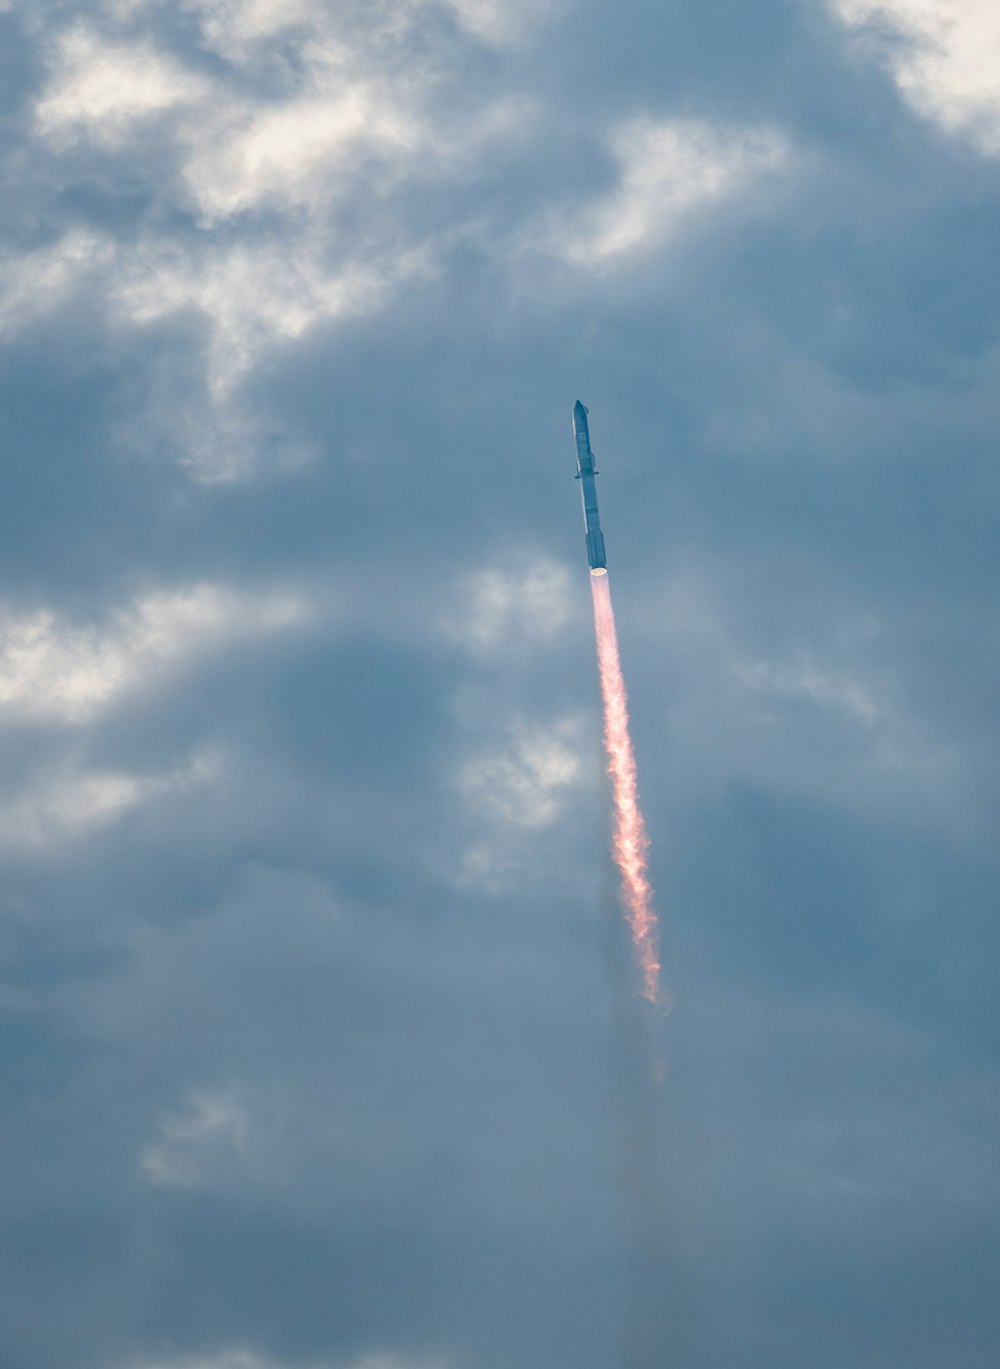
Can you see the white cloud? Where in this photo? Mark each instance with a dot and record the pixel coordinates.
(54, 669)
(500, 22)
(502, 609)
(35, 282)
(67, 808)
(804, 679)
(102, 89)
(225, 151)
(226, 1359)
(523, 782)
(299, 152)
(487, 866)
(232, 27)
(665, 170)
(313, 109)
(945, 57)
(254, 295)
(246, 1359)
(64, 808)
(355, 107)
(200, 1143)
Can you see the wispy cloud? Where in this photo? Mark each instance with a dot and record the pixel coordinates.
(56, 809)
(255, 296)
(55, 669)
(36, 281)
(523, 781)
(103, 89)
(201, 1142)
(246, 1359)
(292, 142)
(944, 55)
(824, 714)
(804, 679)
(506, 608)
(665, 170)
(298, 186)
(514, 790)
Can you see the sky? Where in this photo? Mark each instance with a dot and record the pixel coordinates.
(313, 1050)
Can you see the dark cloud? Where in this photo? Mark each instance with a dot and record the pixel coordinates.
(315, 1051)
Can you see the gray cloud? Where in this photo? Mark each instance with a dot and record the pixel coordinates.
(310, 1041)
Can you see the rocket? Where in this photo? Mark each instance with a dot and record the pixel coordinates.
(585, 474)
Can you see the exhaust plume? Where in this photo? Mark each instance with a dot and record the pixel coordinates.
(630, 844)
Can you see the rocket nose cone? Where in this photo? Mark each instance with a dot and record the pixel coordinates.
(579, 409)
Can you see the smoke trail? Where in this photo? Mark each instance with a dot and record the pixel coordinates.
(629, 841)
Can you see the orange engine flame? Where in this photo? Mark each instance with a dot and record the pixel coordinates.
(630, 843)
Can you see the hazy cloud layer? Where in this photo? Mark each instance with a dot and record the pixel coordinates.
(315, 1049)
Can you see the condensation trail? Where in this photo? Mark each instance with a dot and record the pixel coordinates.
(630, 844)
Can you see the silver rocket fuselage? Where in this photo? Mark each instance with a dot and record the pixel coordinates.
(585, 474)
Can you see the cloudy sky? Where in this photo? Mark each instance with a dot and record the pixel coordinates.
(312, 1049)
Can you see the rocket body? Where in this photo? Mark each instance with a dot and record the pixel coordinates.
(588, 488)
